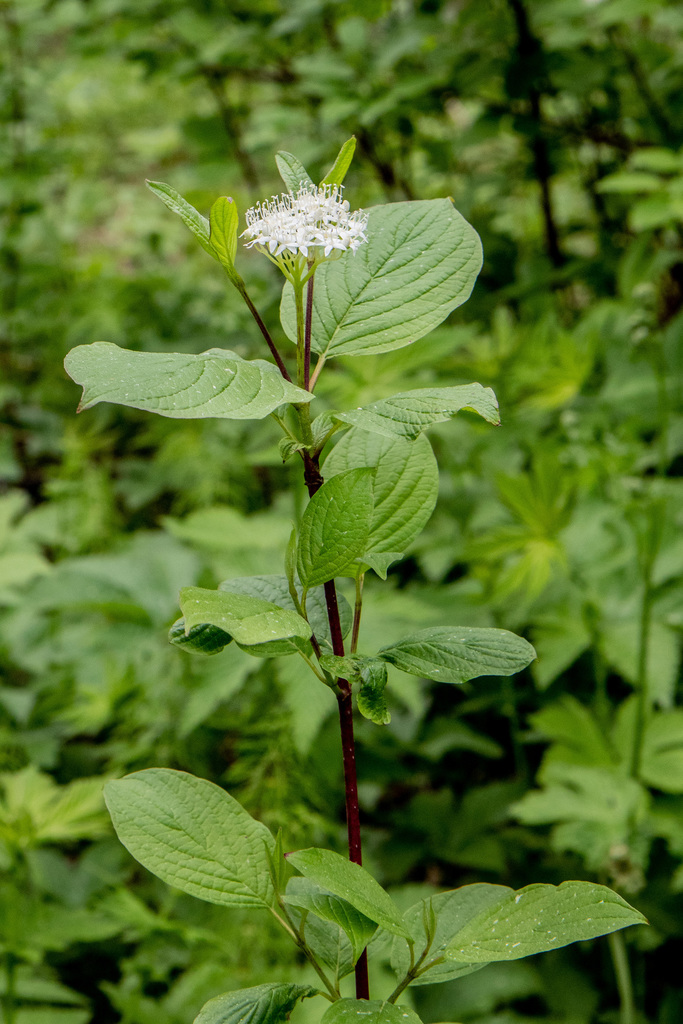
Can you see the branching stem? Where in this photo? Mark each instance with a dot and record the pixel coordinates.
(300, 941)
(241, 287)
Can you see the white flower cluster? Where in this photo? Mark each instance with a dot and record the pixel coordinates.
(314, 223)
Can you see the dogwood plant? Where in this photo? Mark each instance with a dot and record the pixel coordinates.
(355, 283)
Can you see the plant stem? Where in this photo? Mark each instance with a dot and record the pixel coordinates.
(357, 611)
(314, 481)
(411, 975)
(241, 287)
(316, 372)
(307, 332)
(617, 948)
(300, 331)
(300, 941)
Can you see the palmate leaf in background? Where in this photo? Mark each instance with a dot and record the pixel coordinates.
(419, 264)
(193, 835)
(217, 383)
(457, 654)
(264, 1004)
(410, 412)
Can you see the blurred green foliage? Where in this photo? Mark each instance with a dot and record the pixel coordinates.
(557, 127)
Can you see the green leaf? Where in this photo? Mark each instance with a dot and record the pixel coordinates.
(408, 413)
(329, 944)
(541, 917)
(202, 639)
(345, 667)
(292, 171)
(334, 528)
(371, 700)
(452, 911)
(197, 224)
(405, 489)
(306, 895)
(661, 762)
(352, 883)
(379, 561)
(419, 263)
(217, 383)
(368, 1011)
(249, 620)
(193, 835)
(275, 589)
(271, 1003)
(454, 655)
(337, 171)
(223, 222)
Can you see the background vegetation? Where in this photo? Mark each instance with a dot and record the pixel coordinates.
(556, 125)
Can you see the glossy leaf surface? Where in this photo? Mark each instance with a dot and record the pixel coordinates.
(541, 917)
(410, 412)
(456, 654)
(249, 620)
(217, 383)
(271, 1003)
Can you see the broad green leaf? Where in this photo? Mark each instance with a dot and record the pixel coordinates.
(223, 222)
(276, 590)
(202, 639)
(419, 263)
(249, 620)
(379, 561)
(454, 655)
(306, 895)
(368, 1011)
(197, 224)
(271, 1003)
(541, 917)
(408, 413)
(352, 883)
(405, 489)
(292, 171)
(337, 171)
(371, 700)
(452, 910)
(371, 673)
(217, 383)
(193, 835)
(345, 667)
(334, 528)
(329, 943)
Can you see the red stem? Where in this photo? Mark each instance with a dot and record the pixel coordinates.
(265, 332)
(345, 703)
